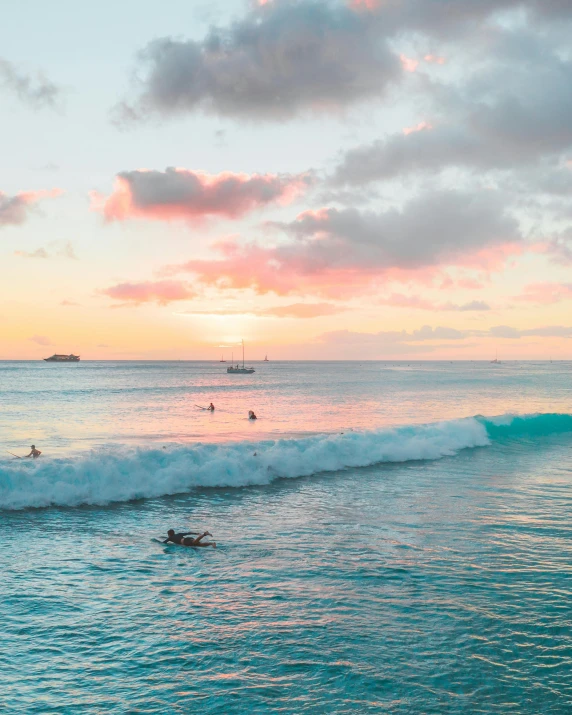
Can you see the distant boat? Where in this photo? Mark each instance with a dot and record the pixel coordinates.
(62, 358)
(240, 370)
(266, 358)
(496, 361)
(222, 359)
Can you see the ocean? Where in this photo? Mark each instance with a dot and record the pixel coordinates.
(392, 537)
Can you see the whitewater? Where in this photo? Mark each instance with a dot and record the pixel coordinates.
(126, 474)
(391, 538)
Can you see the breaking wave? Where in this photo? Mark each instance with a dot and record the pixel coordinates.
(123, 474)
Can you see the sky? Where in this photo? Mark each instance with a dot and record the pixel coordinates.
(344, 179)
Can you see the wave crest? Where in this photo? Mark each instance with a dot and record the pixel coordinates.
(122, 474)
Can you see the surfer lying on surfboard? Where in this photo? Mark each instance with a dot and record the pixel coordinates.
(210, 408)
(183, 538)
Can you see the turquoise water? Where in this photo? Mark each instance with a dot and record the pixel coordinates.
(394, 568)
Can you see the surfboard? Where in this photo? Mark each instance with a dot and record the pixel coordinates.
(160, 541)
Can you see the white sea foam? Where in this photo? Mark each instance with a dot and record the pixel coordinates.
(122, 474)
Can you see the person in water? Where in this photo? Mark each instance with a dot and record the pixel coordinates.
(211, 407)
(177, 538)
(35, 453)
(251, 415)
(182, 539)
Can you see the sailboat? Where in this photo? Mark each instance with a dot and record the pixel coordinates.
(222, 359)
(240, 370)
(496, 361)
(266, 358)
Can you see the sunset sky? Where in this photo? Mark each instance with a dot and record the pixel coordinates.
(327, 180)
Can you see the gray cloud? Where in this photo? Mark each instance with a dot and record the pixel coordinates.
(396, 300)
(393, 342)
(427, 333)
(512, 133)
(58, 249)
(438, 227)
(473, 305)
(14, 210)
(34, 90)
(280, 59)
(457, 18)
(41, 340)
(549, 331)
(512, 112)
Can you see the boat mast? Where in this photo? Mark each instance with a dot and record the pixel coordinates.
(243, 354)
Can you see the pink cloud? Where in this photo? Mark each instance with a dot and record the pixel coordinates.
(304, 310)
(470, 283)
(435, 59)
(14, 210)
(365, 4)
(409, 65)
(295, 310)
(184, 194)
(270, 270)
(491, 259)
(161, 292)
(546, 293)
(419, 128)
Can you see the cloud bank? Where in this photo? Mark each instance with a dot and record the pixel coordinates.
(337, 251)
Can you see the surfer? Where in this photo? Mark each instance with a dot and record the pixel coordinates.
(181, 539)
(178, 538)
(211, 407)
(251, 415)
(35, 453)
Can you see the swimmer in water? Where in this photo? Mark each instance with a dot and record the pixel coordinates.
(211, 407)
(251, 415)
(35, 453)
